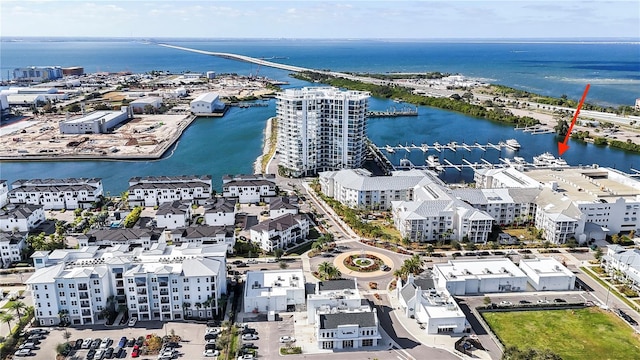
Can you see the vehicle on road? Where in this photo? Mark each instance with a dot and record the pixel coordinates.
(385, 267)
(287, 339)
(506, 303)
(211, 353)
(132, 321)
(251, 261)
(242, 265)
(272, 260)
(524, 302)
(559, 300)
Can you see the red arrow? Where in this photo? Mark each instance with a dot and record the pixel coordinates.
(562, 146)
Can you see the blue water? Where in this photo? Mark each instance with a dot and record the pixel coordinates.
(231, 144)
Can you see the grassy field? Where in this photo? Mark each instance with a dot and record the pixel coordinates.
(573, 334)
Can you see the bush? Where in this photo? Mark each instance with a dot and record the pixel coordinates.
(293, 350)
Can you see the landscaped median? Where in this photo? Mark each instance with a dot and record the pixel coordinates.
(612, 289)
(588, 333)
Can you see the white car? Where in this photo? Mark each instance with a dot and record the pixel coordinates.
(86, 343)
(167, 354)
(506, 303)
(249, 337)
(132, 321)
(22, 352)
(211, 352)
(287, 339)
(272, 260)
(245, 357)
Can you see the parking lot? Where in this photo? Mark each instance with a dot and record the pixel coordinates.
(269, 335)
(191, 346)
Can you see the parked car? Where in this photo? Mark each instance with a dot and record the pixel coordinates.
(506, 303)
(251, 261)
(249, 331)
(95, 343)
(22, 352)
(248, 346)
(99, 354)
(242, 265)
(36, 336)
(559, 300)
(236, 262)
(272, 260)
(212, 346)
(28, 345)
(37, 331)
(249, 337)
(245, 357)
(121, 353)
(86, 343)
(122, 342)
(90, 354)
(210, 353)
(132, 321)
(524, 302)
(213, 323)
(78, 344)
(108, 353)
(106, 342)
(33, 339)
(135, 353)
(131, 342)
(287, 339)
(213, 331)
(210, 336)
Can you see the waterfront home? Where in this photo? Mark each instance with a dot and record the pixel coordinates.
(274, 290)
(4, 193)
(281, 232)
(173, 214)
(249, 188)
(220, 211)
(155, 190)
(57, 194)
(11, 247)
(163, 283)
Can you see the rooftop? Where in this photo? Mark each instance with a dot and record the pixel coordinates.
(362, 319)
(273, 282)
(546, 266)
(477, 269)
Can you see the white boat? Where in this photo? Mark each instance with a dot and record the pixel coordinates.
(406, 163)
(513, 143)
(519, 160)
(389, 149)
(433, 162)
(548, 160)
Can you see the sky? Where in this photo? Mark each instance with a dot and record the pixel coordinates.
(345, 19)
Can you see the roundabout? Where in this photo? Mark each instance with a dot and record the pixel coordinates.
(363, 264)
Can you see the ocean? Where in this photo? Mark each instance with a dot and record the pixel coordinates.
(231, 144)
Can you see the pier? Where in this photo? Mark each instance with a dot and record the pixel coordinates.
(394, 112)
(452, 146)
(536, 130)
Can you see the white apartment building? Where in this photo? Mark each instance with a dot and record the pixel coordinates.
(248, 189)
(173, 214)
(11, 247)
(21, 217)
(548, 274)
(57, 194)
(281, 206)
(155, 190)
(280, 232)
(464, 277)
(274, 290)
(321, 129)
(206, 103)
(507, 177)
(164, 283)
(436, 310)
(202, 235)
(97, 122)
(358, 188)
(4, 193)
(220, 212)
(506, 206)
(143, 238)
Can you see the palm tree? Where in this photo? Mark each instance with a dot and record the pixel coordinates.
(17, 306)
(400, 273)
(323, 268)
(413, 265)
(333, 273)
(8, 318)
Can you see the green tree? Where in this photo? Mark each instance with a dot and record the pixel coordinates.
(283, 265)
(429, 250)
(486, 300)
(17, 306)
(7, 318)
(278, 253)
(598, 253)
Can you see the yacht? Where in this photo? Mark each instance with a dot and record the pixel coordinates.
(513, 143)
(434, 163)
(548, 160)
(389, 149)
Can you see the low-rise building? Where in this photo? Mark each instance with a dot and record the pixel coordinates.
(220, 211)
(12, 246)
(623, 264)
(249, 188)
(548, 274)
(173, 214)
(281, 232)
(21, 218)
(437, 310)
(274, 290)
(464, 277)
(207, 103)
(4, 193)
(143, 238)
(97, 122)
(155, 190)
(146, 104)
(37, 73)
(333, 294)
(163, 283)
(57, 194)
(282, 205)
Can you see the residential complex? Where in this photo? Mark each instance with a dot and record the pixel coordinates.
(249, 188)
(162, 283)
(321, 129)
(57, 194)
(623, 264)
(155, 190)
(280, 232)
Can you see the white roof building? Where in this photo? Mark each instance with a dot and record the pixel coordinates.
(155, 190)
(281, 232)
(97, 122)
(68, 193)
(162, 283)
(207, 103)
(139, 105)
(21, 218)
(463, 277)
(548, 274)
(274, 290)
(437, 310)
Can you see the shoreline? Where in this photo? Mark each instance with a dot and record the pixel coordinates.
(266, 147)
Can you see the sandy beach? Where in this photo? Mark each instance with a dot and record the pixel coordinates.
(257, 165)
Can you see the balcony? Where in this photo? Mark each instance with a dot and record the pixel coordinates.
(86, 312)
(164, 292)
(166, 309)
(84, 295)
(142, 300)
(85, 304)
(119, 283)
(83, 287)
(163, 283)
(164, 301)
(142, 291)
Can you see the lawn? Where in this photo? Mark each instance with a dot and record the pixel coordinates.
(573, 334)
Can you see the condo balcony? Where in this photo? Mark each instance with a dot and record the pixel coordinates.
(164, 292)
(85, 304)
(84, 295)
(83, 287)
(142, 291)
(86, 312)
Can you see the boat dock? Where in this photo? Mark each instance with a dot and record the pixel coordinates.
(394, 112)
(536, 130)
(453, 146)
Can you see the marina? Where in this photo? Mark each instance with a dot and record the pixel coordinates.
(394, 112)
(510, 144)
